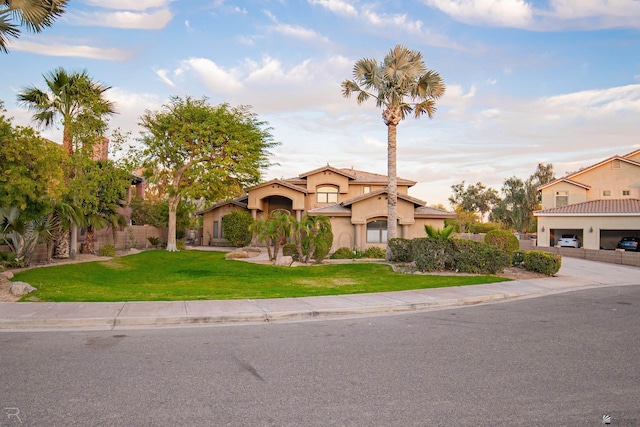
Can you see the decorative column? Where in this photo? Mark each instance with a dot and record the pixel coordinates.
(357, 238)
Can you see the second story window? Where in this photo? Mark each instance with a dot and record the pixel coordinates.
(562, 198)
(366, 189)
(327, 194)
(606, 193)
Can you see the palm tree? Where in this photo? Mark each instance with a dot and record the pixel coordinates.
(401, 84)
(438, 233)
(68, 95)
(319, 235)
(35, 15)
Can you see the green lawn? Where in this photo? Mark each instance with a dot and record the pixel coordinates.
(199, 275)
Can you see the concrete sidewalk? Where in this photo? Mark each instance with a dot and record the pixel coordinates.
(575, 274)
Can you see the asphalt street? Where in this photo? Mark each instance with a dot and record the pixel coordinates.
(567, 359)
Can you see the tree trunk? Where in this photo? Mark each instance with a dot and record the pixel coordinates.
(67, 143)
(171, 236)
(62, 245)
(392, 180)
(73, 251)
(89, 241)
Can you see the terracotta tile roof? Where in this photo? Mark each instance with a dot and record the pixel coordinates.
(284, 183)
(358, 176)
(567, 180)
(333, 210)
(401, 196)
(238, 201)
(596, 207)
(427, 212)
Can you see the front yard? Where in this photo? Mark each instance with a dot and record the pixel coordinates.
(196, 275)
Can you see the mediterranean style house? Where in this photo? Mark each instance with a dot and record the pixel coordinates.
(600, 204)
(355, 201)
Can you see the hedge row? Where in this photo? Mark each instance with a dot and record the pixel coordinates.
(467, 256)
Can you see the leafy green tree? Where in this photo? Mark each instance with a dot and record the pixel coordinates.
(512, 210)
(69, 98)
(521, 198)
(463, 221)
(33, 170)
(147, 212)
(474, 198)
(200, 150)
(34, 15)
(401, 84)
(97, 189)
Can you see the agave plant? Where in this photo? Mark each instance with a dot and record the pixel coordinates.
(22, 236)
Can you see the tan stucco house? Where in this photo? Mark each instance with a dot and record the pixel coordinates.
(355, 201)
(600, 204)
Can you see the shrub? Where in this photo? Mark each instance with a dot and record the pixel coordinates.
(483, 227)
(478, 258)
(289, 249)
(518, 259)
(400, 250)
(542, 262)
(343, 253)
(235, 227)
(108, 250)
(374, 252)
(502, 239)
(9, 260)
(153, 241)
(181, 245)
(431, 254)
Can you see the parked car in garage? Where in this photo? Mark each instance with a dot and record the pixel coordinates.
(569, 241)
(629, 244)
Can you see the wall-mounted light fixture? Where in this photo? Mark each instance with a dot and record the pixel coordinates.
(591, 230)
(542, 229)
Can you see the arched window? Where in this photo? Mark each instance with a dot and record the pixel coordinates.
(377, 231)
(327, 194)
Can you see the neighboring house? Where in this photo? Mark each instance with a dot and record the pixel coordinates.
(600, 204)
(355, 201)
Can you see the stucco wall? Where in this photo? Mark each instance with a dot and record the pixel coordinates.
(208, 219)
(576, 194)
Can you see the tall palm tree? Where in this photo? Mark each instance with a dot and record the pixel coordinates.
(35, 15)
(67, 96)
(401, 84)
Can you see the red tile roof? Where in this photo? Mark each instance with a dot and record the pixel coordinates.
(596, 207)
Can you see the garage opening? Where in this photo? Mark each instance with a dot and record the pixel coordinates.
(609, 238)
(557, 233)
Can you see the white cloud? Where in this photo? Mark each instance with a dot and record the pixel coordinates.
(571, 9)
(400, 23)
(215, 78)
(124, 19)
(298, 32)
(595, 102)
(506, 13)
(128, 4)
(336, 6)
(163, 74)
(560, 15)
(82, 51)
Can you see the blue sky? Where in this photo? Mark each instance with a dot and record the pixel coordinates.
(528, 81)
